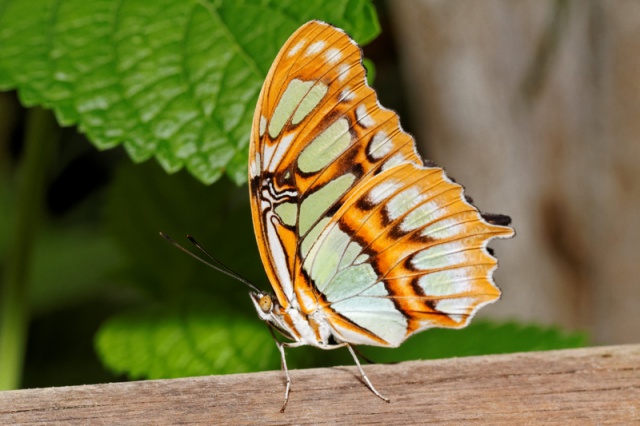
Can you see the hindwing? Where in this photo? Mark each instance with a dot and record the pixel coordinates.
(348, 218)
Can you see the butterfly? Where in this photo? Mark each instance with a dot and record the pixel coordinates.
(363, 242)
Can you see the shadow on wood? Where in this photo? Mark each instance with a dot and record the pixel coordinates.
(594, 385)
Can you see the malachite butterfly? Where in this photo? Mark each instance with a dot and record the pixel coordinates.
(363, 243)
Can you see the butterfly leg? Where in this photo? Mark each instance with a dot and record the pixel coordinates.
(283, 365)
(364, 376)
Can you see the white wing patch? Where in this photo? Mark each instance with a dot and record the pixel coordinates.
(346, 95)
(455, 306)
(395, 160)
(343, 72)
(383, 190)
(315, 48)
(403, 202)
(420, 216)
(280, 149)
(255, 166)
(363, 116)
(279, 257)
(333, 55)
(295, 49)
(380, 145)
(445, 283)
(443, 255)
(443, 229)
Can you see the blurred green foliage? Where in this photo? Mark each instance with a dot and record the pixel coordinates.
(169, 81)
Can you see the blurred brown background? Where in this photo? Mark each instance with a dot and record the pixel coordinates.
(535, 107)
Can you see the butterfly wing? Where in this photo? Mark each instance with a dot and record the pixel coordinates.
(349, 220)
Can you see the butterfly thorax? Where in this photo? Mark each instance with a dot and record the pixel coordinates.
(311, 329)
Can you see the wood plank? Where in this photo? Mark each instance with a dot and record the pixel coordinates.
(581, 386)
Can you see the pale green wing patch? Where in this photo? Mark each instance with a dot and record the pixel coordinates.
(326, 147)
(309, 102)
(354, 290)
(312, 207)
(291, 98)
(287, 212)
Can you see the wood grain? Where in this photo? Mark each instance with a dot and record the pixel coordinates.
(581, 386)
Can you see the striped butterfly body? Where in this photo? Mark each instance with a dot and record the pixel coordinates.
(362, 242)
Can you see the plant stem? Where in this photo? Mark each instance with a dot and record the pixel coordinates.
(14, 317)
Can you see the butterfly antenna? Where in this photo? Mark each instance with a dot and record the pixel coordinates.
(218, 266)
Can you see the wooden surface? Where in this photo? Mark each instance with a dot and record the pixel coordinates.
(580, 386)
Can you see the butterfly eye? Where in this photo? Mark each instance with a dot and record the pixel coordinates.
(265, 303)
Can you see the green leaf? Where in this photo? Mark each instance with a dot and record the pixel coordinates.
(181, 341)
(172, 79)
(480, 338)
(371, 70)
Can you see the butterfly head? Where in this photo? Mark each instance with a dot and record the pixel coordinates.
(265, 304)
(270, 311)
